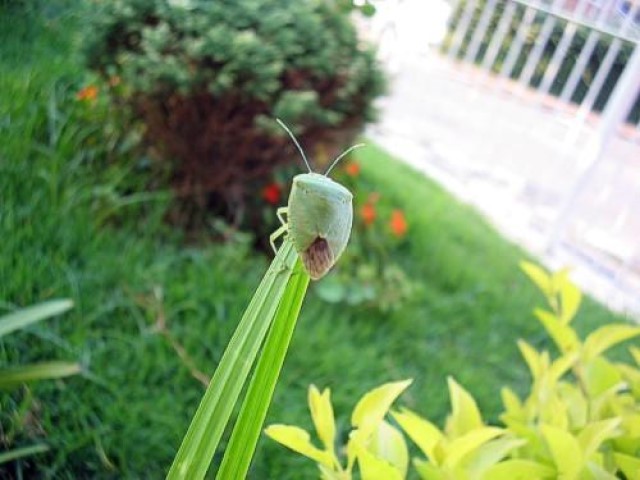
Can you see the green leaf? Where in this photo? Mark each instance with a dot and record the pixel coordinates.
(562, 365)
(601, 375)
(424, 433)
(27, 316)
(606, 337)
(629, 465)
(563, 335)
(388, 444)
(428, 471)
(458, 449)
(539, 277)
(374, 468)
(322, 415)
(598, 472)
(299, 441)
(465, 415)
(512, 405)
(571, 297)
(594, 434)
(519, 469)
(565, 450)
(375, 404)
(489, 454)
(16, 376)
(208, 423)
(532, 358)
(239, 451)
(22, 452)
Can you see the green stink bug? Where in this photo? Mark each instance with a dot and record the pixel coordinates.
(319, 216)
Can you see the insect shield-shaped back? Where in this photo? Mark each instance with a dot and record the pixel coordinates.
(320, 217)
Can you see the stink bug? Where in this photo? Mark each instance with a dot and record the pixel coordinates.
(319, 216)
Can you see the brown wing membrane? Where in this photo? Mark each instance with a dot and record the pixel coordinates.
(318, 258)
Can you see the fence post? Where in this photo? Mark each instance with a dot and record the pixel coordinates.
(622, 100)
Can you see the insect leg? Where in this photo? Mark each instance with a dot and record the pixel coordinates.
(280, 214)
(275, 235)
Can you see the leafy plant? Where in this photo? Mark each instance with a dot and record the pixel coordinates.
(375, 445)
(13, 377)
(206, 79)
(581, 419)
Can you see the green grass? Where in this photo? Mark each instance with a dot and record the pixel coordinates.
(72, 226)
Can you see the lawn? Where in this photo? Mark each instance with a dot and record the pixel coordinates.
(74, 225)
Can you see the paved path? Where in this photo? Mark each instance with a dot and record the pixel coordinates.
(504, 150)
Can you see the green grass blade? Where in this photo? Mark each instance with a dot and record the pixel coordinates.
(29, 315)
(15, 376)
(208, 424)
(241, 447)
(22, 452)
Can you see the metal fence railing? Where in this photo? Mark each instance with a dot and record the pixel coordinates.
(573, 49)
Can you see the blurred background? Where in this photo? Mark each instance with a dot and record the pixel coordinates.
(141, 169)
(530, 111)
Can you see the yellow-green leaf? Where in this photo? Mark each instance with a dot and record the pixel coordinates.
(592, 436)
(299, 441)
(374, 468)
(629, 465)
(520, 469)
(532, 358)
(576, 404)
(606, 337)
(424, 433)
(562, 365)
(428, 471)
(539, 277)
(457, 450)
(570, 296)
(375, 404)
(388, 444)
(465, 415)
(322, 415)
(563, 335)
(489, 454)
(601, 375)
(565, 450)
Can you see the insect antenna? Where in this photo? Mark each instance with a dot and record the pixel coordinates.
(342, 155)
(304, 157)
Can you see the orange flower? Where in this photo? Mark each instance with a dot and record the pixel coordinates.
(352, 169)
(368, 213)
(90, 92)
(271, 193)
(398, 223)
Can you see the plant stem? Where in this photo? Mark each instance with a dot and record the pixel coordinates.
(211, 418)
(237, 458)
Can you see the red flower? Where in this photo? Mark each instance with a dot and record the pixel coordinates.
(368, 213)
(352, 169)
(272, 193)
(398, 223)
(90, 92)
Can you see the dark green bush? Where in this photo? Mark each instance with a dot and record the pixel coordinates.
(207, 78)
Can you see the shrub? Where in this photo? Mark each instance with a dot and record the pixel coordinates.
(207, 78)
(581, 419)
